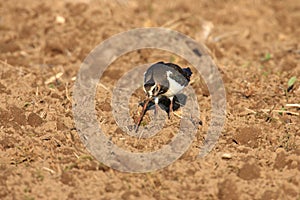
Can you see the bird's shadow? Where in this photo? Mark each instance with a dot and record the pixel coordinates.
(179, 100)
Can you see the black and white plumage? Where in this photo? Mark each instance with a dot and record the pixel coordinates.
(165, 79)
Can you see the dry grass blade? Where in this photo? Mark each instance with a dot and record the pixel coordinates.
(173, 23)
(251, 111)
(293, 105)
(280, 111)
(177, 115)
(53, 78)
(49, 170)
(225, 35)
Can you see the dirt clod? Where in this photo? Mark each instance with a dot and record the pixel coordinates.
(18, 115)
(34, 120)
(67, 178)
(248, 136)
(228, 190)
(249, 171)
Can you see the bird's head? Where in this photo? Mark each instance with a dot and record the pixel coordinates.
(152, 89)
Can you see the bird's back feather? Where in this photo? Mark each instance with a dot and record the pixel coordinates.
(160, 73)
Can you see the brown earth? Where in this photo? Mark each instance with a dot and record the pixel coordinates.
(254, 43)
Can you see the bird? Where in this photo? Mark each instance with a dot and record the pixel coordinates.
(164, 79)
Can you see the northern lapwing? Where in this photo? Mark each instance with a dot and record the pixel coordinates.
(164, 79)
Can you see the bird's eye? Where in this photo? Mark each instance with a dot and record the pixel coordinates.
(155, 90)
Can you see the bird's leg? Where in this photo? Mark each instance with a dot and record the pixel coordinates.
(156, 100)
(170, 107)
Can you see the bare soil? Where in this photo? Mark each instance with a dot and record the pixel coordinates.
(256, 46)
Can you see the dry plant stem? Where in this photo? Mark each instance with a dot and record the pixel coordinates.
(179, 116)
(142, 114)
(293, 105)
(280, 111)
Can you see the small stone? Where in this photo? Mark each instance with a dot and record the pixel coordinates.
(60, 19)
(226, 156)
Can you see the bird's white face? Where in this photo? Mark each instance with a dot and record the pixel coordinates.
(152, 91)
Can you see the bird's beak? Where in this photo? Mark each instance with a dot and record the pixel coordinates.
(157, 90)
(149, 98)
(158, 87)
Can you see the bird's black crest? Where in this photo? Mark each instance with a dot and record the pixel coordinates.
(188, 72)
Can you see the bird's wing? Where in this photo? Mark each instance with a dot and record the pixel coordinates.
(184, 72)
